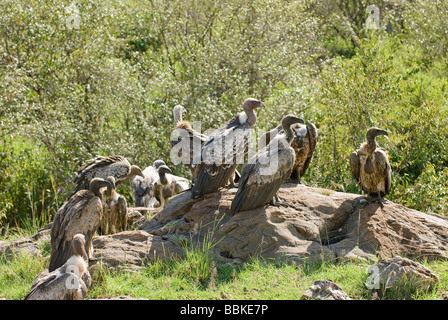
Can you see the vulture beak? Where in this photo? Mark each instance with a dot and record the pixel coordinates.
(262, 105)
(164, 169)
(385, 134)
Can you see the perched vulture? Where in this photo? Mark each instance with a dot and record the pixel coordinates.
(266, 171)
(115, 210)
(68, 282)
(185, 139)
(103, 167)
(370, 166)
(304, 144)
(81, 213)
(168, 185)
(143, 188)
(215, 163)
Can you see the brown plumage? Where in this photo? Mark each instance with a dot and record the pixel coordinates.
(266, 171)
(168, 185)
(68, 282)
(370, 166)
(103, 167)
(143, 187)
(304, 144)
(115, 210)
(215, 163)
(184, 140)
(81, 213)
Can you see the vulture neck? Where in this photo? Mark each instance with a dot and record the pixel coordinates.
(371, 144)
(177, 116)
(78, 248)
(96, 191)
(163, 178)
(251, 116)
(109, 192)
(289, 133)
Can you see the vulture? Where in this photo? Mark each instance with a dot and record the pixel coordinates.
(102, 167)
(215, 163)
(185, 138)
(304, 144)
(266, 171)
(81, 213)
(143, 188)
(370, 166)
(69, 281)
(168, 185)
(115, 210)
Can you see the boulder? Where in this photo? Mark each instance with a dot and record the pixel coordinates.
(308, 224)
(325, 290)
(132, 248)
(387, 273)
(9, 249)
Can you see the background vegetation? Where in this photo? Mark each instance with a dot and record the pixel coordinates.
(87, 78)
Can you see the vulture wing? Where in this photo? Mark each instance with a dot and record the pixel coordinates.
(355, 165)
(214, 164)
(80, 214)
(121, 208)
(262, 177)
(54, 287)
(384, 169)
(312, 141)
(102, 167)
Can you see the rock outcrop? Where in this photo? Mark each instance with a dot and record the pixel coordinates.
(309, 223)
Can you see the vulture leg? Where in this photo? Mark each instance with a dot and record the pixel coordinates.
(276, 200)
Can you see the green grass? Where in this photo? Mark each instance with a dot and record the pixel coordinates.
(199, 276)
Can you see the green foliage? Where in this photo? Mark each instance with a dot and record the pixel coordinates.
(101, 77)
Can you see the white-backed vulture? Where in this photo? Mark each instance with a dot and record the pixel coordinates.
(304, 144)
(81, 213)
(215, 163)
(115, 210)
(185, 138)
(168, 185)
(143, 188)
(266, 171)
(370, 166)
(68, 282)
(103, 167)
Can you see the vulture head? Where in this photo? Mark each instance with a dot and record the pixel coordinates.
(249, 115)
(158, 163)
(97, 183)
(177, 113)
(163, 169)
(374, 132)
(371, 134)
(136, 171)
(287, 122)
(251, 104)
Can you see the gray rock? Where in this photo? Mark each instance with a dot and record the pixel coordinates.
(325, 290)
(387, 273)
